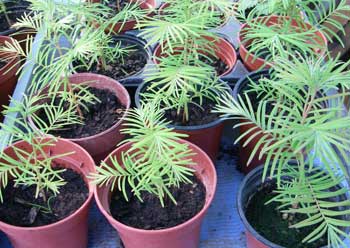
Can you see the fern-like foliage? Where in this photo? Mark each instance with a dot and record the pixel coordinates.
(155, 162)
(321, 201)
(297, 119)
(181, 78)
(271, 40)
(51, 92)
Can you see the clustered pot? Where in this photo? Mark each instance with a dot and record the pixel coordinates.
(121, 27)
(70, 232)
(206, 136)
(253, 62)
(223, 50)
(185, 235)
(8, 77)
(245, 151)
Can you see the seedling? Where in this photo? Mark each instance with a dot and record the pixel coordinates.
(155, 162)
(291, 32)
(306, 125)
(182, 77)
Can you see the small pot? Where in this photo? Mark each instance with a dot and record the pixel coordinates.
(121, 27)
(206, 136)
(185, 235)
(8, 77)
(253, 62)
(247, 189)
(224, 51)
(245, 151)
(70, 232)
(100, 145)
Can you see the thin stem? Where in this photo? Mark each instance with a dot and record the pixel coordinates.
(70, 89)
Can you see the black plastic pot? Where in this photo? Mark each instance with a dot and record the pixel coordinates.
(16, 8)
(207, 136)
(133, 81)
(247, 189)
(245, 151)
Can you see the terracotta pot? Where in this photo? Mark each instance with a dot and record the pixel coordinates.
(247, 189)
(253, 62)
(121, 27)
(100, 145)
(224, 51)
(245, 151)
(185, 235)
(206, 136)
(70, 232)
(8, 77)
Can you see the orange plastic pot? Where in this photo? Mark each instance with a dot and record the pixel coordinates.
(254, 63)
(121, 27)
(223, 50)
(101, 144)
(8, 77)
(206, 136)
(185, 235)
(70, 232)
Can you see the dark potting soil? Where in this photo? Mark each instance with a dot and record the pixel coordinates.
(269, 222)
(18, 207)
(131, 64)
(150, 215)
(198, 115)
(117, 5)
(217, 63)
(98, 118)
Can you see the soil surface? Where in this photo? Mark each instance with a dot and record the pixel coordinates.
(130, 64)
(18, 209)
(98, 118)
(269, 222)
(198, 115)
(150, 215)
(217, 63)
(117, 7)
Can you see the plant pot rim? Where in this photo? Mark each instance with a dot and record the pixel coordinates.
(243, 47)
(125, 92)
(71, 216)
(240, 83)
(241, 212)
(219, 38)
(14, 9)
(150, 6)
(6, 69)
(183, 128)
(139, 42)
(166, 230)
